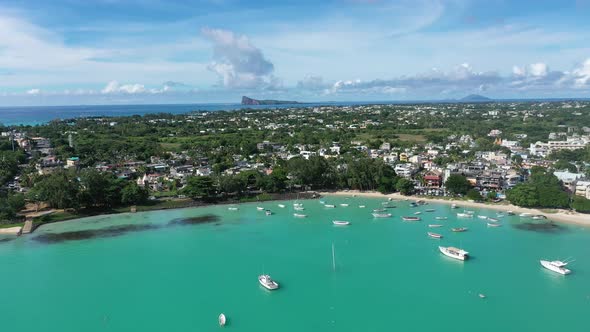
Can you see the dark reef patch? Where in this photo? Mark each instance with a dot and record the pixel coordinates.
(6, 239)
(112, 231)
(208, 218)
(545, 227)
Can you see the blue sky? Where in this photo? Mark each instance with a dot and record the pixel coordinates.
(156, 51)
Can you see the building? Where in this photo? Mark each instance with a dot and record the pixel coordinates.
(433, 178)
(568, 179)
(72, 162)
(583, 189)
(405, 170)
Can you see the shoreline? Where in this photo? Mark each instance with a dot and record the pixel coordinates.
(563, 216)
(10, 230)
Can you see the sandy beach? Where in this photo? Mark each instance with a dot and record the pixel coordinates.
(10, 231)
(564, 216)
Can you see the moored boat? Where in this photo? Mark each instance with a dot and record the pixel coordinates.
(222, 320)
(406, 218)
(232, 208)
(459, 229)
(464, 215)
(417, 212)
(299, 215)
(510, 213)
(340, 222)
(482, 217)
(493, 225)
(299, 208)
(361, 206)
(344, 204)
(378, 210)
(381, 215)
(539, 217)
(259, 208)
(455, 253)
(282, 206)
(556, 266)
(435, 235)
(267, 282)
(454, 206)
(268, 212)
(435, 225)
(493, 219)
(330, 206)
(429, 210)
(440, 218)
(525, 214)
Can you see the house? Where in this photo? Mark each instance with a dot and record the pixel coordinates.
(490, 180)
(182, 171)
(405, 170)
(390, 158)
(433, 178)
(568, 179)
(583, 189)
(72, 162)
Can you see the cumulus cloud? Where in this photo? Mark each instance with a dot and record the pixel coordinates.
(34, 92)
(237, 62)
(114, 87)
(581, 74)
(311, 82)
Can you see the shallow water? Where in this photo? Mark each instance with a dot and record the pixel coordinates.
(177, 270)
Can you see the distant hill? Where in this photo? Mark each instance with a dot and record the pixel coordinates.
(475, 98)
(251, 101)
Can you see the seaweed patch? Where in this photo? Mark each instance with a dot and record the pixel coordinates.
(112, 231)
(208, 218)
(546, 227)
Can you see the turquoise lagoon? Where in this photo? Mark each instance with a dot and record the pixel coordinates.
(390, 276)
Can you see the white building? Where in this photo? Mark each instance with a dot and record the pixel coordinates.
(583, 189)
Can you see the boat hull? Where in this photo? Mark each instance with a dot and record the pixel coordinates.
(450, 254)
(556, 269)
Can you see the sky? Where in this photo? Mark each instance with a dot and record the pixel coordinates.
(71, 52)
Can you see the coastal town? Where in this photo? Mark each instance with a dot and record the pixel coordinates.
(416, 149)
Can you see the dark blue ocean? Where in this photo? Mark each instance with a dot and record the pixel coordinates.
(42, 114)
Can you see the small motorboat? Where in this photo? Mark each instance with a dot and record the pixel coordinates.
(556, 266)
(413, 204)
(390, 199)
(491, 224)
(441, 218)
(331, 206)
(464, 215)
(429, 210)
(259, 208)
(435, 225)
(222, 320)
(362, 206)
(378, 210)
(435, 235)
(268, 212)
(282, 206)
(454, 206)
(340, 222)
(482, 217)
(417, 212)
(299, 208)
(539, 217)
(322, 202)
(482, 296)
(411, 218)
(382, 215)
(267, 282)
(344, 204)
(297, 204)
(455, 253)
(299, 215)
(493, 219)
(469, 212)
(525, 214)
(459, 229)
(232, 208)
(510, 213)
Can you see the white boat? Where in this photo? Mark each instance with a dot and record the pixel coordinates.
(299, 215)
(222, 320)
(343, 204)
(493, 219)
(259, 208)
(378, 210)
(330, 206)
(411, 218)
(435, 235)
(268, 212)
(455, 253)
(282, 206)
(340, 222)
(299, 208)
(510, 213)
(482, 217)
(429, 210)
(469, 212)
(382, 215)
(464, 215)
(362, 206)
(493, 225)
(556, 266)
(435, 225)
(390, 199)
(322, 202)
(417, 213)
(459, 229)
(297, 204)
(267, 282)
(525, 214)
(539, 217)
(232, 208)
(454, 206)
(440, 218)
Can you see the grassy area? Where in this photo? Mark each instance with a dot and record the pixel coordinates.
(18, 224)
(411, 138)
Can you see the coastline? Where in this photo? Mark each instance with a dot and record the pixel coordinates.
(10, 230)
(563, 216)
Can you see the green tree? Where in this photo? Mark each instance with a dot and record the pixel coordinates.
(99, 189)
(457, 184)
(491, 195)
(133, 194)
(200, 188)
(60, 190)
(565, 165)
(524, 194)
(581, 204)
(473, 194)
(404, 186)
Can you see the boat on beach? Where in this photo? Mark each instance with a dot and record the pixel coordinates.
(459, 229)
(221, 319)
(556, 266)
(539, 217)
(406, 218)
(435, 235)
(441, 218)
(340, 222)
(299, 215)
(455, 253)
(381, 215)
(435, 225)
(267, 282)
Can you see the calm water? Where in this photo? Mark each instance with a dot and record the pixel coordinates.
(389, 275)
(42, 114)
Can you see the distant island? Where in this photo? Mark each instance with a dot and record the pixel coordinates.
(476, 99)
(252, 101)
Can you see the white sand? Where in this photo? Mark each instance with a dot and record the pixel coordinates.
(11, 230)
(564, 216)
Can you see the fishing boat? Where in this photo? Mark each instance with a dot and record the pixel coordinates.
(525, 214)
(331, 206)
(459, 229)
(482, 296)
(340, 222)
(382, 215)
(232, 208)
(222, 320)
(435, 225)
(282, 206)
(539, 217)
(417, 212)
(344, 204)
(411, 218)
(493, 219)
(299, 215)
(259, 208)
(556, 266)
(455, 253)
(429, 210)
(435, 235)
(510, 213)
(299, 208)
(441, 218)
(464, 215)
(413, 204)
(454, 206)
(267, 282)
(490, 224)
(268, 212)
(482, 217)
(361, 206)
(378, 210)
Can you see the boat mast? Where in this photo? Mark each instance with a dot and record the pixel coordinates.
(333, 258)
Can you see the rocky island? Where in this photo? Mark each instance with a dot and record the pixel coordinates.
(251, 101)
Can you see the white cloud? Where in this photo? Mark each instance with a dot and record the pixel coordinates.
(581, 74)
(34, 91)
(115, 87)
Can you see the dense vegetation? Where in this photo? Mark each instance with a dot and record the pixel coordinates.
(543, 189)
